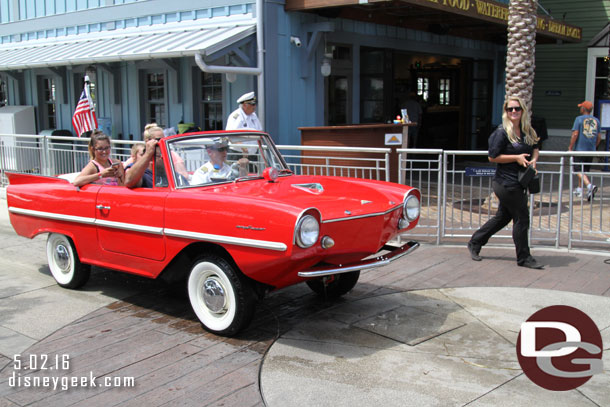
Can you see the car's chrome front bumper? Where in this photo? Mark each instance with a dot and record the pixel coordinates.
(379, 261)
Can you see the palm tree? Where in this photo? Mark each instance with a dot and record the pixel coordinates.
(520, 54)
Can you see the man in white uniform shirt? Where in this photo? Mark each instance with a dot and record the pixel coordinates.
(217, 169)
(244, 117)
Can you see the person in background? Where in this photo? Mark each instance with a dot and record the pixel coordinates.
(139, 172)
(244, 116)
(513, 146)
(586, 136)
(101, 169)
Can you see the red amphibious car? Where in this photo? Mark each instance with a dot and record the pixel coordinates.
(232, 232)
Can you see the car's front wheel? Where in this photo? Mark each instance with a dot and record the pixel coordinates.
(334, 286)
(220, 296)
(64, 263)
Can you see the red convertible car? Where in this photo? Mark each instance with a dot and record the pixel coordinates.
(226, 215)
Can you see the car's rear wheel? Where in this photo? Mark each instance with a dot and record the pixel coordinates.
(220, 296)
(64, 263)
(334, 286)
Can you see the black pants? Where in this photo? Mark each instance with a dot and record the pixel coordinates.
(513, 206)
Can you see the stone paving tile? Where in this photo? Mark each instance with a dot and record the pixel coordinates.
(155, 337)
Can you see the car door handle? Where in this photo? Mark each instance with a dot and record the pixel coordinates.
(102, 207)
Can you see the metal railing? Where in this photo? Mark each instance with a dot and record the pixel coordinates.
(455, 186)
(557, 218)
(355, 162)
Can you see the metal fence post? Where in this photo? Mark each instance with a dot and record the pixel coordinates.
(560, 201)
(45, 157)
(443, 213)
(571, 215)
(387, 167)
(440, 198)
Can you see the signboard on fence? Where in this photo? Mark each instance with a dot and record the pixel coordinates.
(480, 171)
(393, 139)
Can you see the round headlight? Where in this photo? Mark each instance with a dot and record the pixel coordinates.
(308, 231)
(411, 208)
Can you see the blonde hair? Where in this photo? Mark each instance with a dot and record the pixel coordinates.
(531, 137)
(149, 129)
(96, 135)
(136, 147)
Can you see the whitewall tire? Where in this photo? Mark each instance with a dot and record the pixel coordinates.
(64, 263)
(221, 297)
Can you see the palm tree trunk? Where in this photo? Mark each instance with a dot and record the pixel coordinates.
(521, 47)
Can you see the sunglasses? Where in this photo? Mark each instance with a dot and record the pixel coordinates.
(514, 109)
(102, 148)
(251, 103)
(221, 149)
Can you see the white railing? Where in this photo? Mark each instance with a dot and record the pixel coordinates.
(355, 162)
(455, 199)
(556, 217)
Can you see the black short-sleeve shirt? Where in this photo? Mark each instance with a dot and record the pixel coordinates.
(507, 174)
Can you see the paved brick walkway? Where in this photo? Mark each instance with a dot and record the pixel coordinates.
(156, 339)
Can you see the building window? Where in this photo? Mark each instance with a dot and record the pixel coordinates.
(372, 85)
(47, 103)
(211, 101)
(444, 91)
(155, 108)
(601, 80)
(3, 93)
(423, 88)
(338, 85)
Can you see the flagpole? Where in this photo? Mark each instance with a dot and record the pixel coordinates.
(92, 108)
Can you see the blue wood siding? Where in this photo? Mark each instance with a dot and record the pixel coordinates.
(294, 101)
(562, 67)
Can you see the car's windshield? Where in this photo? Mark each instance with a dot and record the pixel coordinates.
(207, 159)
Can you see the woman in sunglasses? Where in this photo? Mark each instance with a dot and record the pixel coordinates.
(101, 169)
(512, 146)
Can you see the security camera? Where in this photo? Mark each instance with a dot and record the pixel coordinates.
(296, 41)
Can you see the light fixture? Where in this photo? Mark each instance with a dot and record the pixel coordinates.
(91, 72)
(325, 67)
(231, 77)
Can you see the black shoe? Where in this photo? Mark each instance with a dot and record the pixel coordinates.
(531, 263)
(474, 254)
(591, 193)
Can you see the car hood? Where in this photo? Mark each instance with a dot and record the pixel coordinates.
(334, 197)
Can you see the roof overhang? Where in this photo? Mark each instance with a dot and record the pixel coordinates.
(170, 40)
(478, 19)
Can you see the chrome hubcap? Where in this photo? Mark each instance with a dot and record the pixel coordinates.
(62, 258)
(214, 295)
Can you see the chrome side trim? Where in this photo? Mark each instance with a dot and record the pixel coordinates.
(361, 265)
(261, 244)
(369, 215)
(130, 226)
(50, 215)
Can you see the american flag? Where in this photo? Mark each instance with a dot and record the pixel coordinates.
(84, 116)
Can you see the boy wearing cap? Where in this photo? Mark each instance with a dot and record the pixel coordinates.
(585, 137)
(244, 117)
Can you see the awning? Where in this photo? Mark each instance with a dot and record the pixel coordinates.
(478, 19)
(170, 40)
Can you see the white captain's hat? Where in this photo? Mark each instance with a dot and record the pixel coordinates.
(247, 98)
